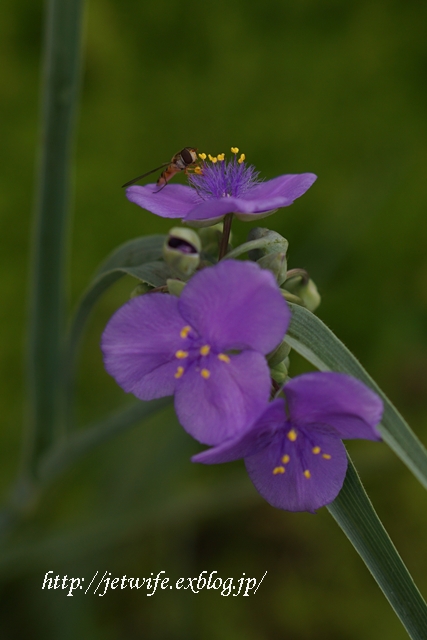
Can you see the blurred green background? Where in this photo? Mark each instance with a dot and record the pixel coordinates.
(336, 88)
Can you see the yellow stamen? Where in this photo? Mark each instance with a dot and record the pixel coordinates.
(202, 156)
(181, 354)
(292, 435)
(214, 160)
(316, 450)
(277, 470)
(205, 373)
(285, 459)
(326, 456)
(205, 350)
(221, 157)
(307, 474)
(179, 372)
(185, 331)
(198, 170)
(234, 149)
(242, 158)
(223, 357)
(210, 157)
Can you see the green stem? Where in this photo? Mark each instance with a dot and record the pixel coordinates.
(61, 75)
(228, 219)
(298, 273)
(79, 444)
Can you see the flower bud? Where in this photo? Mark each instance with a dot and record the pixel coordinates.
(140, 289)
(269, 242)
(305, 289)
(181, 251)
(279, 354)
(277, 264)
(211, 238)
(310, 296)
(175, 287)
(280, 372)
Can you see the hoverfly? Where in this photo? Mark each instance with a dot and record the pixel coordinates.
(180, 162)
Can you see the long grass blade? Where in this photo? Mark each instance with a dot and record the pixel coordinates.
(355, 514)
(61, 74)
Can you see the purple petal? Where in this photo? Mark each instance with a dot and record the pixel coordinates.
(139, 345)
(215, 208)
(224, 404)
(290, 186)
(264, 197)
(250, 442)
(236, 305)
(336, 401)
(173, 201)
(292, 489)
(218, 207)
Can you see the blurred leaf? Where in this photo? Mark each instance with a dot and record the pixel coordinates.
(60, 87)
(139, 258)
(311, 338)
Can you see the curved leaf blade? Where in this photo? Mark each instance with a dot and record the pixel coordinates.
(354, 513)
(134, 252)
(139, 258)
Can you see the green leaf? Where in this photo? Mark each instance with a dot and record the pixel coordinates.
(355, 514)
(61, 79)
(139, 258)
(133, 253)
(310, 337)
(352, 509)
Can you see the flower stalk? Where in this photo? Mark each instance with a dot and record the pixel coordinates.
(225, 236)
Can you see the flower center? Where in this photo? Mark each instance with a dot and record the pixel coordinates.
(196, 352)
(288, 451)
(217, 177)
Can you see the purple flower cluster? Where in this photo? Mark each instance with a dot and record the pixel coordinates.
(219, 187)
(208, 348)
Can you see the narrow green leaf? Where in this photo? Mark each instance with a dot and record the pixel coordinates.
(61, 75)
(133, 253)
(139, 258)
(310, 337)
(355, 514)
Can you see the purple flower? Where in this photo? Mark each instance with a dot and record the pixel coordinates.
(221, 187)
(207, 347)
(293, 452)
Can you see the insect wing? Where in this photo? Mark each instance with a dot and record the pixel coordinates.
(144, 175)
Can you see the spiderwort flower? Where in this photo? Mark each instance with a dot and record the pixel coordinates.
(219, 187)
(206, 347)
(293, 451)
